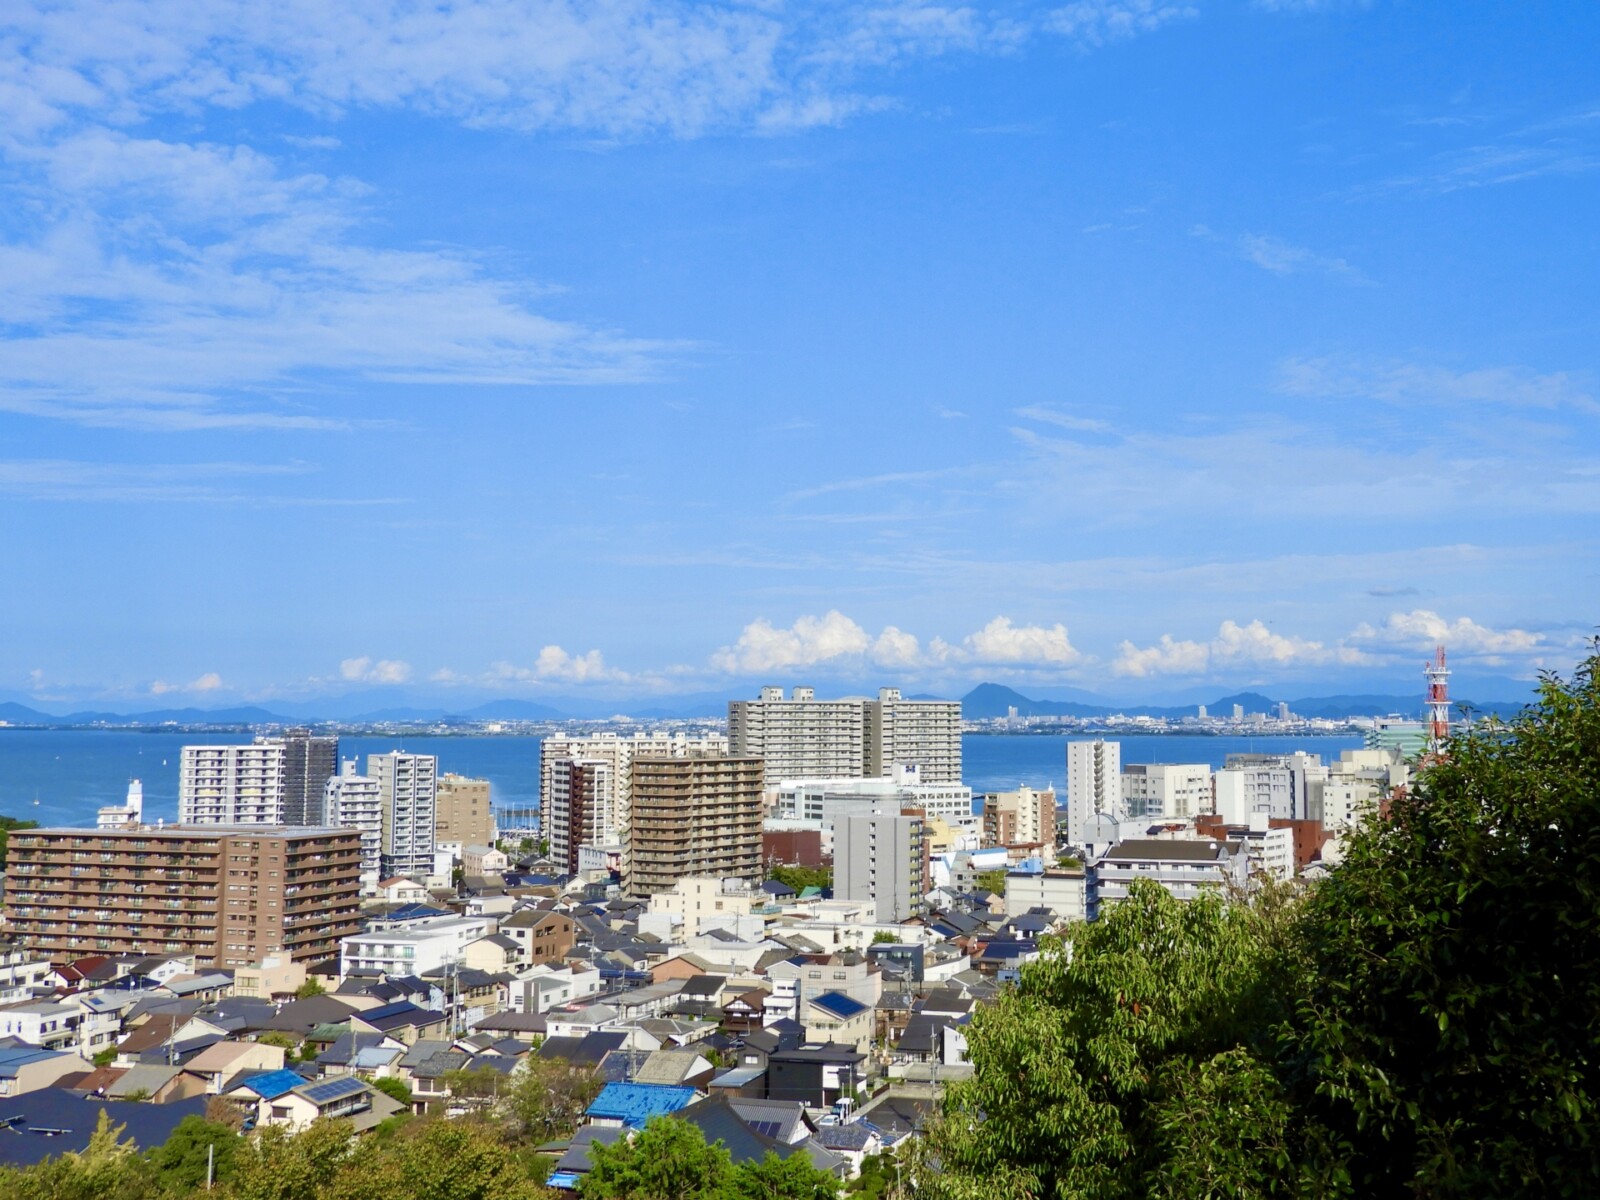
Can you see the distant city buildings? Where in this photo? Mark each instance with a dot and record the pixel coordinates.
(801, 737)
(407, 785)
(692, 816)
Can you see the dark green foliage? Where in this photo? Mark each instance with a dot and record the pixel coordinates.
(670, 1160)
(1423, 1023)
(311, 987)
(181, 1163)
(883, 937)
(991, 881)
(878, 1176)
(800, 878)
(1449, 1023)
(396, 1088)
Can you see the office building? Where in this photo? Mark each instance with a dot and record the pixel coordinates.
(925, 734)
(463, 811)
(1094, 787)
(229, 895)
(1024, 817)
(692, 816)
(881, 858)
(608, 813)
(308, 763)
(352, 801)
(406, 788)
(232, 785)
(1178, 790)
(800, 737)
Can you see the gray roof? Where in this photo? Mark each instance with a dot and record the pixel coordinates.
(1164, 850)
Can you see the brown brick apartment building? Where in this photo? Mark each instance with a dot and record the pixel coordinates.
(693, 816)
(229, 895)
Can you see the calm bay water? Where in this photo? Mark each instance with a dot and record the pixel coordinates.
(70, 773)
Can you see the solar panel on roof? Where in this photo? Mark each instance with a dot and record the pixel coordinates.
(333, 1089)
(769, 1129)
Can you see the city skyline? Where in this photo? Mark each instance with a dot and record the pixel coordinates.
(1140, 347)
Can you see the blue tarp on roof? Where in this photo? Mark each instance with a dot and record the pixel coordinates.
(274, 1083)
(635, 1103)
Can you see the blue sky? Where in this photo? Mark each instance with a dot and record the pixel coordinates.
(629, 349)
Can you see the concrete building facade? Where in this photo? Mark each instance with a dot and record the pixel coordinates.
(1022, 817)
(921, 733)
(406, 786)
(308, 763)
(463, 811)
(693, 816)
(228, 895)
(232, 785)
(352, 801)
(1180, 790)
(1094, 785)
(881, 858)
(800, 737)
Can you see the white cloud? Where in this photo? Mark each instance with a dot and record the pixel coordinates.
(809, 641)
(1280, 257)
(1422, 629)
(209, 682)
(555, 663)
(1407, 383)
(1001, 642)
(1252, 645)
(896, 648)
(365, 670)
(1096, 22)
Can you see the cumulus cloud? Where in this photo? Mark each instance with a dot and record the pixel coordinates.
(1254, 644)
(209, 682)
(1422, 629)
(365, 670)
(555, 664)
(1001, 642)
(836, 639)
(809, 641)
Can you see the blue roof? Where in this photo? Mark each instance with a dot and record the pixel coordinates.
(274, 1083)
(635, 1103)
(14, 1057)
(52, 1121)
(838, 1004)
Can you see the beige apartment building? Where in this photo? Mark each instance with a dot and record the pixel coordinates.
(693, 816)
(229, 895)
(462, 812)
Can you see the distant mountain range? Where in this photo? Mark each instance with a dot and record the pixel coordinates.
(984, 701)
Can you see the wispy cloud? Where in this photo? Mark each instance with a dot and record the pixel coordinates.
(1279, 257)
(71, 480)
(1411, 383)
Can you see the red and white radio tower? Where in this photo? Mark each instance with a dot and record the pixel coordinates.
(1438, 677)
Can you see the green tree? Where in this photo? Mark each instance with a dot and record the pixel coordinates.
(667, 1160)
(1447, 1035)
(180, 1162)
(800, 878)
(992, 881)
(311, 987)
(276, 1037)
(397, 1088)
(439, 1160)
(792, 1178)
(545, 1098)
(104, 1058)
(1093, 1076)
(878, 1175)
(883, 937)
(278, 1165)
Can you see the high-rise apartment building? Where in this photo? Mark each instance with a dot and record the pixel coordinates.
(227, 895)
(925, 734)
(693, 816)
(801, 737)
(462, 811)
(1024, 817)
(354, 801)
(1094, 785)
(406, 787)
(607, 813)
(308, 763)
(1181, 790)
(577, 807)
(232, 785)
(880, 857)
